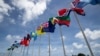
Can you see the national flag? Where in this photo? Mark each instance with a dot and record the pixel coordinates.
(63, 20)
(95, 2)
(22, 41)
(62, 12)
(16, 44)
(79, 3)
(39, 30)
(33, 35)
(79, 11)
(50, 28)
(28, 37)
(11, 48)
(52, 19)
(25, 41)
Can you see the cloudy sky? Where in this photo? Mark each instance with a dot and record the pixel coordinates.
(20, 17)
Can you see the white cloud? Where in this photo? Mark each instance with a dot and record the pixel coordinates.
(4, 8)
(93, 35)
(12, 38)
(95, 44)
(31, 9)
(76, 45)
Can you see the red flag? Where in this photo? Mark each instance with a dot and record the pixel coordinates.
(79, 11)
(25, 41)
(22, 42)
(62, 12)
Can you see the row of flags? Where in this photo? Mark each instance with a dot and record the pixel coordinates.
(63, 18)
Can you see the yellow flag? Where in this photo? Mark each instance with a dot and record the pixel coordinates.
(39, 30)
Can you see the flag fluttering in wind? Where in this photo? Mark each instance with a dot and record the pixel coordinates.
(53, 20)
(63, 20)
(14, 45)
(33, 35)
(94, 2)
(83, 3)
(62, 12)
(25, 41)
(39, 30)
(77, 7)
(48, 27)
(79, 11)
(79, 3)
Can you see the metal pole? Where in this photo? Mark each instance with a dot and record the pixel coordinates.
(33, 49)
(62, 41)
(49, 43)
(23, 51)
(83, 33)
(39, 45)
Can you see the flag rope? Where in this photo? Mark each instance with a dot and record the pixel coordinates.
(88, 45)
(62, 41)
(49, 43)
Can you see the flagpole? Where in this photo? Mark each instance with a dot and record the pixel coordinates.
(62, 41)
(27, 50)
(33, 49)
(23, 50)
(84, 35)
(39, 45)
(88, 45)
(28, 47)
(9, 53)
(49, 43)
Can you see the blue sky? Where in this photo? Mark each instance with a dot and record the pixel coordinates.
(20, 17)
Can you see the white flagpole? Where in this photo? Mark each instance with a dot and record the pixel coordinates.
(33, 49)
(23, 50)
(62, 41)
(9, 53)
(49, 43)
(27, 50)
(39, 45)
(83, 33)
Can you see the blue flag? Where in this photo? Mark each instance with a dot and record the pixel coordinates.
(49, 28)
(94, 2)
(33, 35)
